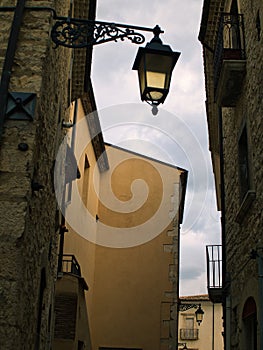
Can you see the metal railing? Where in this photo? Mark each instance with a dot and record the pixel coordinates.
(214, 266)
(189, 334)
(230, 44)
(70, 265)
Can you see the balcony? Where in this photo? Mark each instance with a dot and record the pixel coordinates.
(71, 326)
(70, 265)
(229, 60)
(189, 334)
(214, 272)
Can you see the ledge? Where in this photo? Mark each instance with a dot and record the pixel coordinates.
(215, 294)
(245, 205)
(230, 82)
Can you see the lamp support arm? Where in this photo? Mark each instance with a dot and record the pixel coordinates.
(79, 33)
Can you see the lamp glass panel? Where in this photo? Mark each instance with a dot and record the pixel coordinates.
(154, 95)
(155, 79)
(141, 73)
(199, 317)
(160, 64)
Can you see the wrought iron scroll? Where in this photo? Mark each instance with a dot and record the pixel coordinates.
(185, 307)
(77, 33)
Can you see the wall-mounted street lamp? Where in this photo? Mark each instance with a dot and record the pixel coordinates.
(154, 63)
(199, 314)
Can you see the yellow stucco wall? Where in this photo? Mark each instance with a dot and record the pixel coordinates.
(75, 243)
(136, 241)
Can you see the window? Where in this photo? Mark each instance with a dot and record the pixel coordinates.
(258, 25)
(81, 345)
(189, 332)
(189, 322)
(40, 306)
(246, 192)
(86, 180)
(234, 31)
(249, 317)
(244, 174)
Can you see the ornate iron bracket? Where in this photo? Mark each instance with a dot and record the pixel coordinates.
(79, 33)
(185, 307)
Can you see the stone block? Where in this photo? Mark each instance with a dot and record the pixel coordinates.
(12, 219)
(14, 184)
(10, 336)
(9, 302)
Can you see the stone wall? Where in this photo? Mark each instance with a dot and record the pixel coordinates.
(243, 230)
(243, 236)
(28, 218)
(243, 218)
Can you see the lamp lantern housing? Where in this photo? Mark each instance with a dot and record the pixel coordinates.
(199, 314)
(155, 63)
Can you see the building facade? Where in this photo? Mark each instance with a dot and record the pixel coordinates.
(129, 261)
(208, 335)
(123, 219)
(231, 35)
(37, 87)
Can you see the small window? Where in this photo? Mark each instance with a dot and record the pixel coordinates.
(189, 322)
(258, 26)
(243, 157)
(86, 181)
(189, 332)
(81, 345)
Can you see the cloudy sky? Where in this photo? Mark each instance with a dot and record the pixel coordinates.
(178, 134)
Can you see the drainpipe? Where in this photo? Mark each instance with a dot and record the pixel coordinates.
(9, 60)
(63, 228)
(225, 281)
(213, 328)
(227, 322)
(260, 294)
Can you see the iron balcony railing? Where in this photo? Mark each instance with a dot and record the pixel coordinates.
(70, 265)
(214, 271)
(188, 334)
(230, 44)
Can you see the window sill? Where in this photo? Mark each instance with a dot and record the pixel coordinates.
(245, 205)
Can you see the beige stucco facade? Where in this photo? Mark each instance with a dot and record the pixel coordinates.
(208, 335)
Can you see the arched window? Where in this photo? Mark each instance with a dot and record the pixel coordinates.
(235, 34)
(249, 317)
